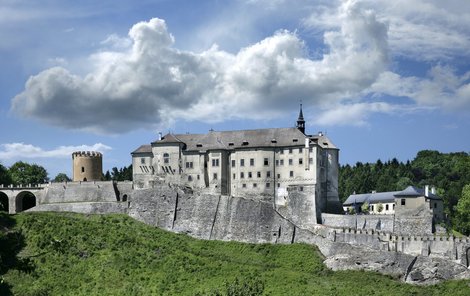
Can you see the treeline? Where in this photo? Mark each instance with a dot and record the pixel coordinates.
(22, 173)
(448, 172)
(122, 174)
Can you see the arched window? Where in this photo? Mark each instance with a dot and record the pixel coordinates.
(166, 158)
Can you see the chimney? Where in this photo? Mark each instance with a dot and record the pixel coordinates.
(159, 136)
(433, 190)
(426, 190)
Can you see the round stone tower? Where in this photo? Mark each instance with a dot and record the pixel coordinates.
(87, 166)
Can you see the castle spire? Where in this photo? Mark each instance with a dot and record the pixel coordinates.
(300, 121)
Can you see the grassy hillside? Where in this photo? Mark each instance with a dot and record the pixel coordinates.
(71, 254)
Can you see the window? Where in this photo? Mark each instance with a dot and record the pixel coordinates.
(255, 185)
(279, 176)
(83, 169)
(258, 175)
(142, 160)
(233, 163)
(386, 207)
(403, 201)
(278, 185)
(243, 185)
(394, 206)
(290, 150)
(250, 175)
(435, 205)
(301, 150)
(233, 176)
(291, 174)
(215, 162)
(189, 164)
(242, 162)
(190, 178)
(266, 162)
(268, 185)
(252, 161)
(291, 161)
(198, 177)
(372, 208)
(301, 188)
(242, 175)
(268, 174)
(310, 149)
(277, 162)
(282, 151)
(166, 158)
(310, 160)
(301, 160)
(282, 161)
(214, 176)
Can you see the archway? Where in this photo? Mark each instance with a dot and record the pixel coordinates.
(4, 205)
(467, 256)
(25, 200)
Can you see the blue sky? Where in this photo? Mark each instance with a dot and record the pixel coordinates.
(382, 78)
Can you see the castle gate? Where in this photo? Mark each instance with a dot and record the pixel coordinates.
(467, 256)
(4, 202)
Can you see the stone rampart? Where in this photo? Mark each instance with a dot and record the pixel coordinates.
(95, 191)
(375, 222)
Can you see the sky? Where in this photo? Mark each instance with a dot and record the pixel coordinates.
(383, 79)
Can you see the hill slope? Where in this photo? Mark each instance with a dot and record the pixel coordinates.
(71, 254)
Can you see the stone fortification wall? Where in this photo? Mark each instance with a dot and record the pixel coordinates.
(416, 221)
(83, 207)
(375, 222)
(96, 191)
(211, 216)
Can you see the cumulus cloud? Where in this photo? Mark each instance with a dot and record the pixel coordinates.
(442, 87)
(21, 150)
(152, 82)
(353, 114)
(424, 30)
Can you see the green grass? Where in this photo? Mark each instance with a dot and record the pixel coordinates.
(72, 254)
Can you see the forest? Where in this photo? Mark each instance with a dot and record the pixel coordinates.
(448, 172)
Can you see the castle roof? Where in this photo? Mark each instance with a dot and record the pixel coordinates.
(226, 140)
(143, 149)
(387, 197)
(371, 198)
(412, 191)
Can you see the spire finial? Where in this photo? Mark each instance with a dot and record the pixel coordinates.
(300, 121)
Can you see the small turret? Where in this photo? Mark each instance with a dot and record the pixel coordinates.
(300, 121)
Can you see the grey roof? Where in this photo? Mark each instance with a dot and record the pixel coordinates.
(390, 196)
(412, 191)
(143, 149)
(371, 198)
(272, 137)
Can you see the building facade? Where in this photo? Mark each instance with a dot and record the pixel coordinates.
(261, 163)
(398, 202)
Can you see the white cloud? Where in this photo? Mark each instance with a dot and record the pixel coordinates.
(20, 151)
(352, 114)
(442, 88)
(424, 30)
(153, 82)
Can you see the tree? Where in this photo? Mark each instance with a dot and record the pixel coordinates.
(62, 177)
(462, 219)
(365, 207)
(23, 173)
(5, 177)
(380, 207)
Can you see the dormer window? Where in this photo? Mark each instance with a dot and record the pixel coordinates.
(199, 145)
(245, 143)
(274, 141)
(231, 144)
(295, 140)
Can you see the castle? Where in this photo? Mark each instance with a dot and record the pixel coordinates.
(261, 163)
